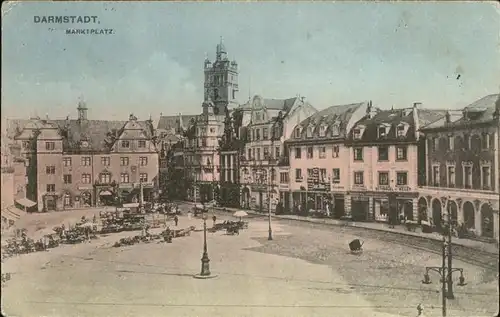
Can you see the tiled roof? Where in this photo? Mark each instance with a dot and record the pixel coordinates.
(482, 110)
(170, 122)
(340, 114)
(284, 105)
(391, 118)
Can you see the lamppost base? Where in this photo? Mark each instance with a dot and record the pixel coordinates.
(450, 295)
(204, 277)
(270, 237)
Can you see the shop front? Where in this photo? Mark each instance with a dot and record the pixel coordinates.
(360, 206)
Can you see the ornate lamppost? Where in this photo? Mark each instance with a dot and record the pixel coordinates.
(446, 273)
(205, 261)
(270, 236)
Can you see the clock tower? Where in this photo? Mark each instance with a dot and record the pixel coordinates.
(221, 80)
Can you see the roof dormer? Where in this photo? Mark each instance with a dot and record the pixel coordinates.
(402, 129)
(322, 130)
(336, 128)
(357, 132)
(310, 131)
(383, 130)
(297, 132)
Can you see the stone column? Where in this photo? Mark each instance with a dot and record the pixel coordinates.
(460, 212)
(347, 206)
(495, 225)
(414, 202)
(478, 221)
(370, 215)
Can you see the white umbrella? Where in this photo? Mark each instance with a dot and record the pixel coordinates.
(240, 213)
(87, 225)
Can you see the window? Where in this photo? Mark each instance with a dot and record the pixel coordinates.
(257, 134)
(336, 129)
(322, 152)
(124, 161)
(383, 153)
(358, 154)
(143, 177)
(51, 188)
(485, 141)
(435, 175)
(383, 178)
(50, 169)
(277, 152)
(310, 131)
(297, 132)
(265, 133)
(26, 144)
(143, 161)
(322, 175)
(356, 134)
(249, 154)
(266, 152)
(358, 178)
(298, 152)
(125, 144)
(105, 161)
(67, 179)
(273, 175)
(258, 153)
(298, 174)
(86, 161)
(105, 178)
(50, 146)
(253, 135)
(401, 153)
(322, 131)
(467, 139)
(401, 131)
(67, 161)
(310, 174)
(142, 143)
(124, 178)
(212, 130)
(284, 178)
(253, 153)
(382, 132)
(335, 151)
(336, 175)
(485, 177)
(86, 178)
(451, 176)
(310, 152)
(402, 178)
(468, 176)
(203, 141)
(451, 142)
(435, 144)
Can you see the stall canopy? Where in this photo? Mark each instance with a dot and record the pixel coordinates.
(105, 193)
(131, 205)
(12, 213)
(25, 202)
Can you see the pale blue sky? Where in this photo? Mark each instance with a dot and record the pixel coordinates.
(331, 53)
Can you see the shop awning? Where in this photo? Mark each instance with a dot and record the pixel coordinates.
(25, 202)
(12, 213)
(131, 205)
(105, 193)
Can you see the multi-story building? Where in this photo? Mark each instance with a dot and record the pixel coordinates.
(319, 160)
(82, 162)
(271, 123)
(202, 165)
(13, 183)
(462, 166)
(384, 162)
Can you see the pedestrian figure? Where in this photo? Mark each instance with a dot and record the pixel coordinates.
(176, 220)
(214, 218)
(420, 310)
(189, 215)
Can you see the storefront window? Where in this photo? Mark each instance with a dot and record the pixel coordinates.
(381, 207)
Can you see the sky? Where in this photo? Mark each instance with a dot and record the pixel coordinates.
(445, 55)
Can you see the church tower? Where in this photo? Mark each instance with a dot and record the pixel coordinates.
(221, 80)
(82, 110)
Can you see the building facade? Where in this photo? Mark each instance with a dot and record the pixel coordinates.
(319, 161)
(462, 167)
(270, 124)
(81, 163)
(384, 161)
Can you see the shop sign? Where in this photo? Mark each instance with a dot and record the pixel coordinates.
(318, 187)
(403, 188)
(283, 186)
(339, 187)
(258, 187)
(85, 187)
(359, 187)
(385, 188)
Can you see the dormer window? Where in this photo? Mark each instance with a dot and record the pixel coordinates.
(335, 129)
(401, 130)
(310, 131)
(382, 132)
(322, 131)
(297, 132)
(357, 134)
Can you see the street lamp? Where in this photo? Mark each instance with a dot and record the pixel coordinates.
(270, 236)
(446, 273)
(205, 261)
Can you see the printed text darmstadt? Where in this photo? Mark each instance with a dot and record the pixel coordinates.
(66, 19)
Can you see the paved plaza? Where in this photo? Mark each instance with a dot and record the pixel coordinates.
(304, 271)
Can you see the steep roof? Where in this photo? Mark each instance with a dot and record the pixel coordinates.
(480, 111)
(338, 114)
(284, 105)
(170, 122)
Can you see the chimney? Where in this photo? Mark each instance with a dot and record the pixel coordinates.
(371, 110)
(416, 121)
(417, 105)
(447, 117)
